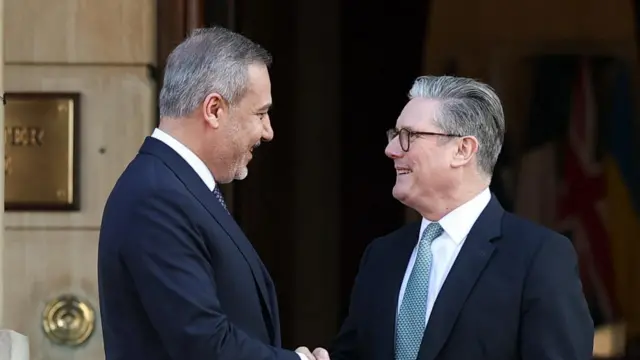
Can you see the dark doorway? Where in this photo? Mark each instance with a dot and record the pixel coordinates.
(382, 48)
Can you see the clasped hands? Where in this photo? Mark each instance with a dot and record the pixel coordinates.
(317, 354)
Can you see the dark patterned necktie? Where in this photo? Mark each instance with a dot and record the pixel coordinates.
(218, 194)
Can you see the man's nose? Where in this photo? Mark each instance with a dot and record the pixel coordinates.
(393, 150)
(267, 130)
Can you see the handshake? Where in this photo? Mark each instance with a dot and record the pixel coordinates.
(317, 354)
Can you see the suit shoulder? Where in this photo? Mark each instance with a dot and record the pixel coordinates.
(408, 231)
(146, 181)
(530, 234)
(146, 176)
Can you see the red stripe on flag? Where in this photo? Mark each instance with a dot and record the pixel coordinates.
(584, 188)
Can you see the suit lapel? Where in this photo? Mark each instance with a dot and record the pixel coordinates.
(469, 264)
(201, 192)
(390, 282)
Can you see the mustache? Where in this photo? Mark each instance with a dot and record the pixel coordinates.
(256, 145)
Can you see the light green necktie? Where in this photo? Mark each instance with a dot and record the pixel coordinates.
(413, 310)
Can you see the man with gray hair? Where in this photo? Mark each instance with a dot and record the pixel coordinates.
(177, 277)
(468, 281)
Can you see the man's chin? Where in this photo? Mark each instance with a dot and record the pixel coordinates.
(242, 173)
(400, 192)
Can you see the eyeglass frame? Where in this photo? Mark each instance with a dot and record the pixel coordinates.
(411, 134)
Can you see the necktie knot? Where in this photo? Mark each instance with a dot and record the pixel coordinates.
(431, 232)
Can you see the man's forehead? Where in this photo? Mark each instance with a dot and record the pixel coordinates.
(259, 87)
(259, 77)
(255, 102)
(264, 105)
(258, 97)
(418, 113)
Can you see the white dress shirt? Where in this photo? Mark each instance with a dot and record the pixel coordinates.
(446, 247)
(198, 166)
(192, 159)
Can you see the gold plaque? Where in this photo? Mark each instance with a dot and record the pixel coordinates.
(40, 161)
(67, 320)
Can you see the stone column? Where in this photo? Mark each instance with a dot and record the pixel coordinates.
(2, 153)
(13, 346)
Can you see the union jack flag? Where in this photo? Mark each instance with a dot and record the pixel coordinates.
(581, 198)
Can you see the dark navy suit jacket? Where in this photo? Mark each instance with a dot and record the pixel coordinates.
(177, 277)
(513, 293)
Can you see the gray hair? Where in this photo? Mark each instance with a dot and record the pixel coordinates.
(209, 60)
(467, 108)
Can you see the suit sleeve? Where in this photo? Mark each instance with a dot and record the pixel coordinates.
(345, 345)
(556, 322)
(165, 256)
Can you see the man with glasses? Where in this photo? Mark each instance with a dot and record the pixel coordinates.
(468, 281)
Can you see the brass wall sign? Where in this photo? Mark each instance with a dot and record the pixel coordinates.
(40, 161)
(68, 320)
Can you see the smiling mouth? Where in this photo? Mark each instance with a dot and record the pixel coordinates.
(403, 171)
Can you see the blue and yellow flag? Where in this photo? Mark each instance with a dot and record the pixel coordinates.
(622, 169)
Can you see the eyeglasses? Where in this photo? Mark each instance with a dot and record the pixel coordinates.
(405, 136)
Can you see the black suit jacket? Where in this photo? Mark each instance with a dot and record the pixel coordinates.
(513, 293)
(177, 277)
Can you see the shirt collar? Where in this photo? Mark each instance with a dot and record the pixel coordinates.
(459, 222)
(189, 156)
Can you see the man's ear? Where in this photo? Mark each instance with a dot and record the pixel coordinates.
(213, 109)
(466, 148)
